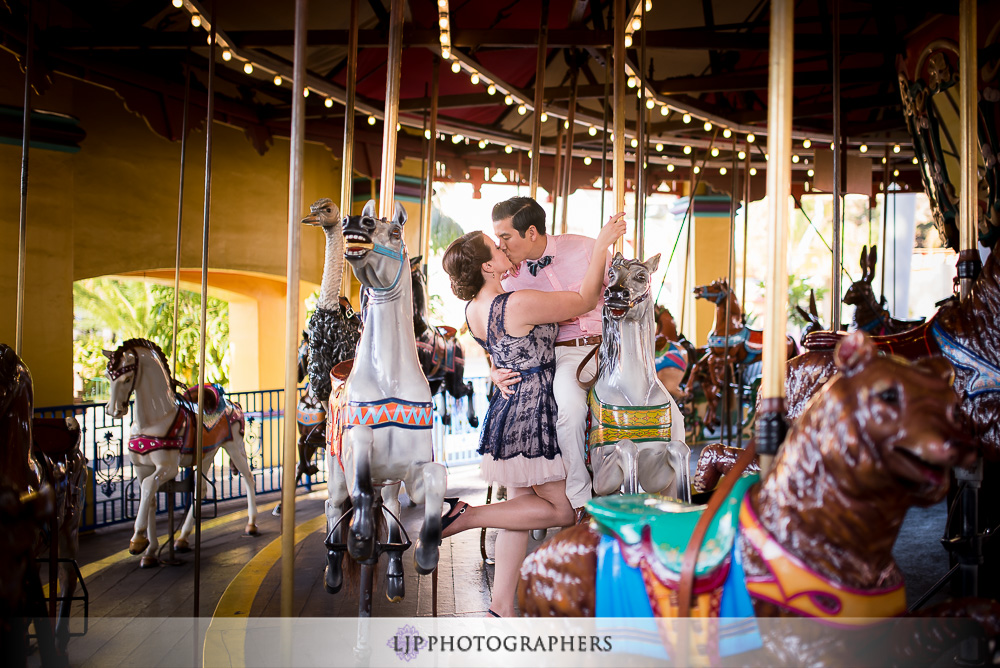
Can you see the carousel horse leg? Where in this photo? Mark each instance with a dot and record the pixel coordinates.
(238, 456)
(149, 558)
(655, 472)
(336, 505)
(470, 407)
(139, 541)
(394, 588)
(67, 588)
(427, 481)
(361, 538)
(618, 469)
(181, 543)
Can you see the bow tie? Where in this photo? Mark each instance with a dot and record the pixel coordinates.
(535, 265)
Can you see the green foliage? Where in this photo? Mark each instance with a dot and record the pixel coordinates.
(444, 230)
(108, 311)
(798, 294)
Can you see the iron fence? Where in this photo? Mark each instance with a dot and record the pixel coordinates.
(113, 495)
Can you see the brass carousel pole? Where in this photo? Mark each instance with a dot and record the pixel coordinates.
(771, 419)
(347, 163)
(431, 163)
(838, 169)
(618, 172)
(536, 130)
(22, 249)
(568, 161)
(292, 314)
(393, 66)
(885, 217)
(200, 421)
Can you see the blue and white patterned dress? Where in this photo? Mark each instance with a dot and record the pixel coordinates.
(518, 441)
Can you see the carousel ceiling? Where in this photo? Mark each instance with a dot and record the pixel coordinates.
(699, 71)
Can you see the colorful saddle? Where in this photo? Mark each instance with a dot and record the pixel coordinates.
(219, 415)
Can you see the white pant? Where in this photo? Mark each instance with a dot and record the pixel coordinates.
(571, 425)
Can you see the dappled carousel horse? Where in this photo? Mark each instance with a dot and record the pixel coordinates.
(380, 425)
(814, 538)
(35, 454)
(870, 315)
(163, 436)
(635, 435)
(439, 351)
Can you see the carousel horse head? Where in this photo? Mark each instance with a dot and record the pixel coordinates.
(369, 241)
(628, 286)
(716, 292)
(861, 291)
(125, 365)
(897, 425)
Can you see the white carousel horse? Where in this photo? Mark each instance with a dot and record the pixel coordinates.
(163, 438)
(383, 412)
(636, 434)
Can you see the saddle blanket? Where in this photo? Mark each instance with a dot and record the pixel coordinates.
(181, 435)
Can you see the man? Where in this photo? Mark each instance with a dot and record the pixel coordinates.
(551, 263)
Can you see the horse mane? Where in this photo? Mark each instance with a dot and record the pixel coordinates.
(141, 343)
(611, 344)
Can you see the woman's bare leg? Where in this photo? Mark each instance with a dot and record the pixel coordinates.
(537, 507)
(511, 548)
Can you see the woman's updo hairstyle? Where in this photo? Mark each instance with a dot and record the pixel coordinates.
(463, 260)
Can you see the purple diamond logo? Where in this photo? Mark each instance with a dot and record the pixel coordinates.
(404, 643)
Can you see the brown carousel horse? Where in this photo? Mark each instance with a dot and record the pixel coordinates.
(42, 476)
(870, 314)
(814, 538)
(675, 357)
(439, 351)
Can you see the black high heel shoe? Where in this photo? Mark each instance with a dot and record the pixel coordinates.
(448, 519)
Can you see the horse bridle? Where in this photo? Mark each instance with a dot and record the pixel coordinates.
(715, 297)
(398, 256)
(115, 374)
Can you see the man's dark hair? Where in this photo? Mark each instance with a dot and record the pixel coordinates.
(523, 212)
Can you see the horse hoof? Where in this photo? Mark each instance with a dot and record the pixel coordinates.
(425, 559)
(538, 534)
(182, 545)
(277, 511)
(446, 420)
(149, 562)
(474, 422)
(334, 576)
(138, 545)
(251, 530)
(394, 588)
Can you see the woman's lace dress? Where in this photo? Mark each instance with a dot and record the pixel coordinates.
(518, 441)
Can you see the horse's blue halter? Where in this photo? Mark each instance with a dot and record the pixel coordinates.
(394, 255)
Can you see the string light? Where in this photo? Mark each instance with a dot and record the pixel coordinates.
(670, 167)
(811, 173)
(491, 89)
(631, 82)
(649, 5)
(474, 78)
(371, 120)
(277, 79)
(508, 148)
(177, 3)
(895, 172)
(750, 138)
(445, 52)
(328, 102)
(634, 142)
(864, 148)
(443, 22)
(795, 158)
(664, 111)
(687, 150)
(638, 93)
(592, 131)
(628, 41)
(806, 143)
(722, 170)
(248, 67)
(544, 118)
(305, 92)
(650, 103)
(227, 55)
(697, 169)
(427, 134)
(457, 139)
(398, 126)
(883, 160)
(895, 148)
(637, 23)
(767, 156)
(715, 152)
(587, 160)
(915, 161)
(707, 126)
(196, 20)
(659, 147)
(566, 124)
(529, 154)
(508, 100)
(456, 67)
(753, 171)
(521, 109)
(727, 133)
(482, 143)
(742, 155)
(686, 118)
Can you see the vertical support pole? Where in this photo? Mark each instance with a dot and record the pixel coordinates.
(746, 219)
(393, 67)
(838, 175)
(567, 170)
(771, 421)
(22, 230)
(431, 162)
(885, 217)
(199, 450)
(731, 370)
(536, 130)
(347, 163)
(604, 138)
(558, 176)
(618, 174)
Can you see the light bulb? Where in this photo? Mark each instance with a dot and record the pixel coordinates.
(750, 138)
(883, 160)
(371, 120)
(742, 155)
(753, 171)
(456, 139)
(227, 55)
(592, 131)
(398, 127)
(544, 117)
(529, 154)
(636, 23)
(628, 41)
(767, 156)
(508, 100)
(707, 126)
(443, 22)
(277, 79)
(482, 143)
(328, 102)
(659, 147)
(670, 167)
(795, 158)
(650, 103)
(195, 20)
(806, 143)
(895, 148)
(863, 148)
(687, 150)
(305, 92)
(638, 93)
(427, 134)
(697, 169)
(686, 118)
(248, 67)
(649, 5)
(456, 67)
(811, 173)
(631, 82)
(805, 186)
(664, 111)
(634, 143)
(566, 124)
(522, 110)
(474, 78)
(715, 152)
(445, 52)
(727, 133)
(895, 172)
(508, 148)
(177, 3)
(722, 170)
(915, 161)
(832, 146)
(587, 160)
(491, 89)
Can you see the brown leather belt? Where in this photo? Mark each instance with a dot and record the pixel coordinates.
(585, 341)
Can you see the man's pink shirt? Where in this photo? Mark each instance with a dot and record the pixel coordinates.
(570, 259)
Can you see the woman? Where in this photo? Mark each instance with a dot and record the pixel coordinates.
(518, 443)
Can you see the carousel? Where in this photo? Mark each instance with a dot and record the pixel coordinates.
(839, 477)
